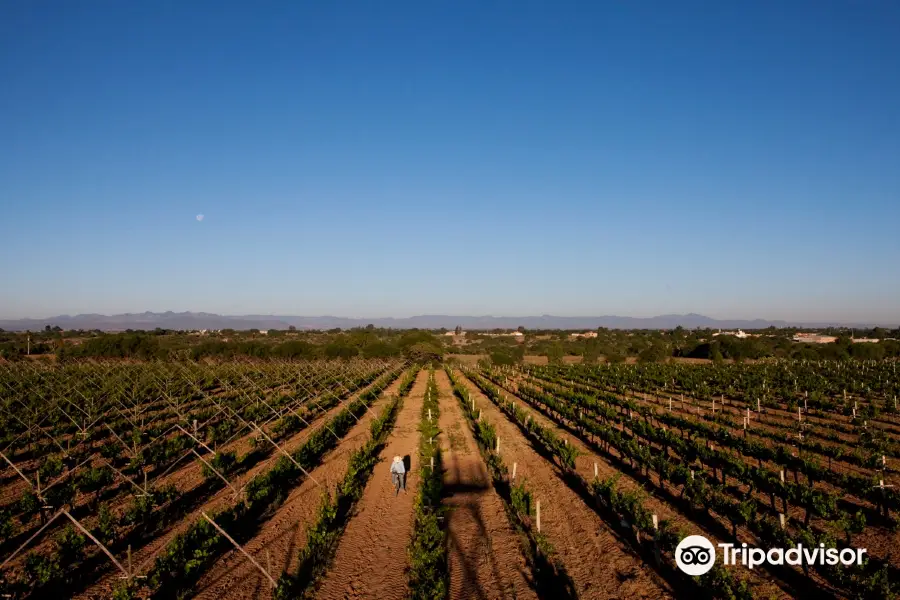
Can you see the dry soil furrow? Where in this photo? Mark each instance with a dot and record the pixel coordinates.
(371, 559)
(485, 559)
(103, 588)
(600, 564)
(877, 540)
(584, 466)
(279, 541)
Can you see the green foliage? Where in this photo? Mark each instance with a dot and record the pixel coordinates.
(94, 480)
(654, 353)
(126, 591)
(521, 499)
(29, 506)
(106, 525)
(223, 462)
(340, 349)
(50, 468)
(323, 534)
(555, 354)
(380, 350)
(70, 545)
(7, 526)
(430, 352)
(428, 574)
(507, 356)
(121, 345)
(41, 570)
(142, 505)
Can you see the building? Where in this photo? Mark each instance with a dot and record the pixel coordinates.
(740, 334)
(814, 338)
(586, 334)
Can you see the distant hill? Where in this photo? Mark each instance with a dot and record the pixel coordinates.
(201, 320)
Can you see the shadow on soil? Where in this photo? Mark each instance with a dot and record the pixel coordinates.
(793, 582)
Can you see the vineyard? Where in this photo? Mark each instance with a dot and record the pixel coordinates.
(268, 479)
(770, 455)
(132, 480)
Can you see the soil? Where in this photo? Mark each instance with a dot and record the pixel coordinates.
(595, 557)
(143, 557)
(878, 541)
(371, 559)
(584, 465)
(279, 541)
(485, 560)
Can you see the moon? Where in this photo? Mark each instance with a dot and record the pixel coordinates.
(199, 217)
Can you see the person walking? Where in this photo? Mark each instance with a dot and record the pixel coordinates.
(398, 475)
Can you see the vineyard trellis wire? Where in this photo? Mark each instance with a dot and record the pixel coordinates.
(162, 403)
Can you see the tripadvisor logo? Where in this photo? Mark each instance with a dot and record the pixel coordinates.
(695, 555)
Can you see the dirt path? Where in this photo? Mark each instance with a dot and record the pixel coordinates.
(102, 588)
(600, 564)
(371, 559)
(484, 554)
(584, 465)
(278, 543)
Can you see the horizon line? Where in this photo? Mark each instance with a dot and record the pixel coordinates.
(787, 322)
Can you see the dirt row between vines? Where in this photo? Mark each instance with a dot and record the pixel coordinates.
(485, 560)
(762, 422)
(281, 538)
(584, 465)
(371, 559)
(142, 558)
(597, 560)
(182, 471)
(879, 541)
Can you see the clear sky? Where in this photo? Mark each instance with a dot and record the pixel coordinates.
(736, 159)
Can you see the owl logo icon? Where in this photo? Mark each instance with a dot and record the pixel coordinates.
(695, 555)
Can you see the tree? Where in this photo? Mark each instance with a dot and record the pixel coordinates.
(591, 352)
(295, 349)
(424, 352)
(500, 357)
(340, 349)
(292, 328)
(520, 329)
(380, 350)
(518, 354)
(653, 353)
(613, 355)
(555, 354)
(458, 330)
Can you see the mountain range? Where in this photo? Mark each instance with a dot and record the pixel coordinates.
(202, 320)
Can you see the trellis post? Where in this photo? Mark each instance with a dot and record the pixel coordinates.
(240, 549)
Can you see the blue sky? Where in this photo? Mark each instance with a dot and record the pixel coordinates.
(736, 159)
